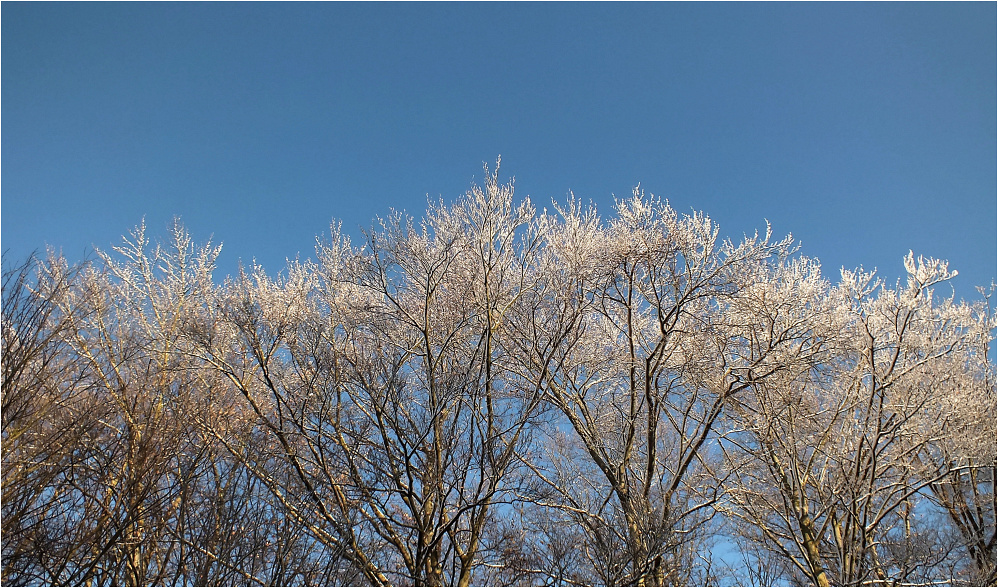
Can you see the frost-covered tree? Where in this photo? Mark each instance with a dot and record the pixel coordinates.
(495, 395)
(832, 468)
(660, 353)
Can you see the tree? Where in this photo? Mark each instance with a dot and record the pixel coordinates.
(45, 411)
(962, 460)
(653, 366)
(831, 463)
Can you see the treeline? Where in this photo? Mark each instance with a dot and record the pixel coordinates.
(495, 396)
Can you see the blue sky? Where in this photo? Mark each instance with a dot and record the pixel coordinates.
(866, 130)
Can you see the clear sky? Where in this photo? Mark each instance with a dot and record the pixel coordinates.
(866, 130)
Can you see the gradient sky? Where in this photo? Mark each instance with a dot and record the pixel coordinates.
(865, 130)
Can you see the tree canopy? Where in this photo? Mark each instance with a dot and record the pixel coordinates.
(496, 395)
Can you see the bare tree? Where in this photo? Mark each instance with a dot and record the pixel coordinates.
(655, 365)
(438, 413)
(45, 412)
(836, 462)
(968, 438)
